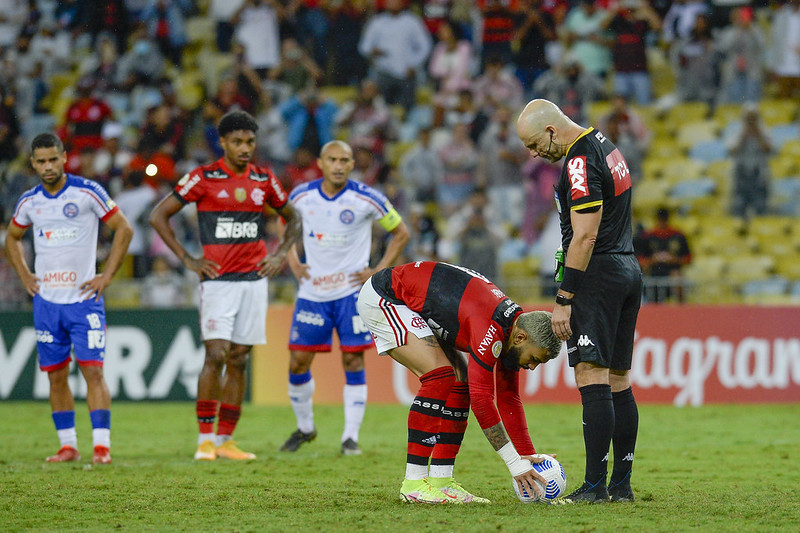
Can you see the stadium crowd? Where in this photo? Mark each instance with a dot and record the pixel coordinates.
(426, 92)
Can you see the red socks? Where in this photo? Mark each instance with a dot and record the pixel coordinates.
(453, 425)
(228, 417)
(424, 418)
(206, 413)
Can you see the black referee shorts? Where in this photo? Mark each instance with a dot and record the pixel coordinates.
(604, 312)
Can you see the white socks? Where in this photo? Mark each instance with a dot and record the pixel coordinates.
(302, 403)
(355, 403)
(68, 437)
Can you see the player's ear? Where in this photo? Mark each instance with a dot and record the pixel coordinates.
(520, 337)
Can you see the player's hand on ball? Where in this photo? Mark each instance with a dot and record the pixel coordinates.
(528, 486)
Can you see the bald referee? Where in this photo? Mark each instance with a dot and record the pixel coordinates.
(598, 300)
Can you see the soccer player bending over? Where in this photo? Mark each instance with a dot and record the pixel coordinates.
(68, 307)
(233, 198)
(420, 314)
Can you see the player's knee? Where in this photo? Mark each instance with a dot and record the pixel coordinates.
(215, 358)
(237, 359)
(353, 362)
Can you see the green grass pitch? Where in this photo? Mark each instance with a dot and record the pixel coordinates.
(715, 468)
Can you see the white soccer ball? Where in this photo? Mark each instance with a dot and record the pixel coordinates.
(553, 472)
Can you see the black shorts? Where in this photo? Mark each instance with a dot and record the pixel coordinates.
(604, 312)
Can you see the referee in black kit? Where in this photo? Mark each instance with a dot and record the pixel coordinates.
(601, 289)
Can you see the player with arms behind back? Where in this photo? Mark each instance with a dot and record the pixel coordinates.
(233, 198)
(337, 235)
(420, 314)
(599, 297)
(68, 307)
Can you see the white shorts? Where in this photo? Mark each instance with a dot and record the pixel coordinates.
(389, 323)
(234, 311)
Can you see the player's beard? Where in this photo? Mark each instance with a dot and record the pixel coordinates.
(52, 180)
(510, 359)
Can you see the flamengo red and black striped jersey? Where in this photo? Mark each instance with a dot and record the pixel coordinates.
(230, 212)
(469, 313)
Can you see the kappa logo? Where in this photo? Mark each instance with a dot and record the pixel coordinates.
(576, 169)
(584, 340)
(628, 457)
(223, 194)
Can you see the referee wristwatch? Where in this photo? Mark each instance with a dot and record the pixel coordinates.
(563, 300)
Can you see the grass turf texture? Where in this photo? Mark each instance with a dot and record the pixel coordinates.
(715, 468)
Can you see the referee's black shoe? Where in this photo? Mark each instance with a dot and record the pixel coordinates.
(588, 493)
(621, 492)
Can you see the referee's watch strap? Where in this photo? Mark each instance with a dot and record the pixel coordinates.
(563, 300)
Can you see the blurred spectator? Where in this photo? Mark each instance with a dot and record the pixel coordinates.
(460, 163)
(142, 64)
(51, 48)
(570, 87)
(257, 28)
(101, 64)
(162, 132)
(13, 14)
(165, 24)
(587, 38)
(450, 69)
(424, 238)
(227, 98)
(296, 70)
(110, 17)
(137, 200)
(273, 133)
(85, 117)
(249, 89)
(681, 18)
(784, 51)
(313, 27)
(628, 132)
(694, 61)
(222, 12)
(113, 157)
(498, 29)
(370, 170)
(466, 111)
(421, 168)
(309, 116)
(535, 30)
(499, 170)
(497, 85)
(539, 178)
(345, 64)
(742, 46)
(750, 147)
(9, 127)
(302, 169)
(397, 44)
(474, 233)
(13, 296)
(663, 252)
(163, 287)
(630, 26)
(369, 120)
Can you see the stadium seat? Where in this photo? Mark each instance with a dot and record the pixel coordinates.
(743, 268)
(691, 133)
(649, 195)
(709, 151)
(726, 114)
(340, 94)
(688, 112)
(396, 150)
(777, 112)
(769, 226)
(692, 189)
(784, 166)
(200, 30)
(779, 135)
(683, 169)
(791, 148)
(665, 148)
(596, 110)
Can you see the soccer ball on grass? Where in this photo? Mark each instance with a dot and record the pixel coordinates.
(553, 472)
